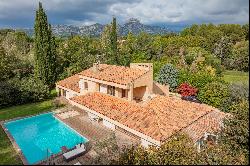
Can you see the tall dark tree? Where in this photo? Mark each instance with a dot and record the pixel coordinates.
(113, 42)
(45, 49)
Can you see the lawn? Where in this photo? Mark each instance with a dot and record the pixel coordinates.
(232, 76)
(7, 153)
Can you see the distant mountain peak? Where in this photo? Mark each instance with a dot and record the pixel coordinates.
(133, 25)
(96, 24)
(133, 20)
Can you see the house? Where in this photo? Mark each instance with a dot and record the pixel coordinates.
(127, 99)
(134, 83)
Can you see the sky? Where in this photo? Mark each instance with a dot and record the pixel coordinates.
(21, 13)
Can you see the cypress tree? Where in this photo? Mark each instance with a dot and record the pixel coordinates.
(45, 49)
(113, 42)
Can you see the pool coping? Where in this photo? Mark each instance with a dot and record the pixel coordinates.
(12, 140)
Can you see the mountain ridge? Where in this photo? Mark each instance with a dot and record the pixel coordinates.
(132, 25)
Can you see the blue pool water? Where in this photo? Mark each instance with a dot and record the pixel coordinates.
(36, 134)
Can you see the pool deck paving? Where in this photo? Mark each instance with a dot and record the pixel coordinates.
(97, 134)
(94, 131)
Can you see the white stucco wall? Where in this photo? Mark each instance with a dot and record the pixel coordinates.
(70, 94)
(103, 88)
(92, 116)
(92, 86)
(81, 85)
(108, 124)
(145, 143)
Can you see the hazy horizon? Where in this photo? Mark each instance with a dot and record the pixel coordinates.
(21, 13)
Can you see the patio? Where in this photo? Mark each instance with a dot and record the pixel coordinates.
(104, 143)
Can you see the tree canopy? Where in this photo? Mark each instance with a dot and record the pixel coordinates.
(45, 49)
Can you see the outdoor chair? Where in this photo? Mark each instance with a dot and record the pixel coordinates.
(80, 149)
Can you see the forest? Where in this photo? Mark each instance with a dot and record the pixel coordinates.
(192, 63)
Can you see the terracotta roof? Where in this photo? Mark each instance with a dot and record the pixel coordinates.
(211, 123)
(175, 114)
(71, 83)
(127, 113)
(160, 118)
(112, 73)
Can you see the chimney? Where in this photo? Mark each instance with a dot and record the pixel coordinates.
(95, 67)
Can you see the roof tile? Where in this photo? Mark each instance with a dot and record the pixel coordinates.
(160, 118)
(71, 83)
(113, 73)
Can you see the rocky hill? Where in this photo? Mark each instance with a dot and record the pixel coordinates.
(132, 25)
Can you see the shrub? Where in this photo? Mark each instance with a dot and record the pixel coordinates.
(189, 58)
(200, 57)
(212, 60)
(237, 93)
(168, 75)
(187, 90)
(197, 79)
(33, 90)
(214, 93)
(178, 150)
(236, 132)
(9, 94)
(16, 91)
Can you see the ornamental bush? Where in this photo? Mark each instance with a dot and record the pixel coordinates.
(168, 75)
(214, 93)
(187, 90)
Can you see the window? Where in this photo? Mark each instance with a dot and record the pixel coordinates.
(85, 85)
(123, 93)
(111, 90)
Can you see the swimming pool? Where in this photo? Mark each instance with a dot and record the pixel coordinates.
(35, 135)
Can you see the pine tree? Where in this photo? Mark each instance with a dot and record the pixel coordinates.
(113, 42)
(45, 49)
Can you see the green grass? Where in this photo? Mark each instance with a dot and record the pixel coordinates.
(7, 153)
(232, 76)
